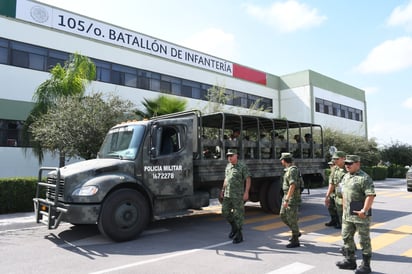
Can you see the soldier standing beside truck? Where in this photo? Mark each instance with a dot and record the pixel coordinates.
(235, 192)
(291, 199)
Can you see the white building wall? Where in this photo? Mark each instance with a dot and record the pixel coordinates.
(15, 162)
(338, 123)
(296, 104)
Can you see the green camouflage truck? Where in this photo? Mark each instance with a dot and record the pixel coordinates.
(166, 166)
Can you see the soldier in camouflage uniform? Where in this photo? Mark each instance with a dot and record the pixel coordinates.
(330, 198)
(234, 193)
(358, 193)
(291, 198)
(334, 193)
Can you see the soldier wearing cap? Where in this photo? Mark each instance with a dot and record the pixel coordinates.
(234, 193)
(333, 199)
(358, 193)
(291, 198)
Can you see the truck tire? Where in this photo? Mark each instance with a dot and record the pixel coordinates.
(124, 215)
(274, 200)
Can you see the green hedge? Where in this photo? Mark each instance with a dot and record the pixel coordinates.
(16, 194)
(396, 171)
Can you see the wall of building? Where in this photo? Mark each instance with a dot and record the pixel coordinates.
(293, 95)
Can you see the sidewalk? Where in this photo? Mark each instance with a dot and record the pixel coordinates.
(23, 217)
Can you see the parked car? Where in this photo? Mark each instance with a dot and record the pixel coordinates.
(409, 179)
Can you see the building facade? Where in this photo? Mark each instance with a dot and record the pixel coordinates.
(34, 37)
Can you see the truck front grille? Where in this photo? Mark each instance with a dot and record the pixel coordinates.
(51, 192)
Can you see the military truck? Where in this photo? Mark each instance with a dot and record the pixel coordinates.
(169, 165)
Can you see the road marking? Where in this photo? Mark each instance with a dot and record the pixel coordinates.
(335, 237)
(390, 237)
(260, 219)
(395, 194)
(173, 255)
(295, 268)
(408, 253)
(281, 224)
(306, 229)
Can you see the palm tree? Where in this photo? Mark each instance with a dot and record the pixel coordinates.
(70, 80)
(161, 105)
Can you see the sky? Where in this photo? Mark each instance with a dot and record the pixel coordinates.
(366, 44)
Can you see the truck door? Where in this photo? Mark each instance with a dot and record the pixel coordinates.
(168, 170)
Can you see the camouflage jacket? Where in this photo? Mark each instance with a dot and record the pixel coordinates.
(356, 187)
(292, 176)
(235, 176)
(337, 179)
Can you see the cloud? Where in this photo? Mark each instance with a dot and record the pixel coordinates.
(401, 16)
(287, 16)
(213, 41)
(371, 90)
(390, 56)
(390, 132)
(408, 103)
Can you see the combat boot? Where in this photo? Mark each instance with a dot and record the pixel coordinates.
(238, 238)
(294, 242)
(332, 222)
(349, 262)
(233, 230)
(365, 266)
(290, 239)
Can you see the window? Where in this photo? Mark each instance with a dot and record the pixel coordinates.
(38, 58)
(102, 71)
(56, 57)
(11, 133)
(335, 109)
(4, 55)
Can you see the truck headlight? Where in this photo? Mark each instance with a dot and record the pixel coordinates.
(85, 191)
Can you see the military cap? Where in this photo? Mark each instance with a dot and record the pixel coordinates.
(231, 151)
(286, 155)
(338, 154)
(352, 159)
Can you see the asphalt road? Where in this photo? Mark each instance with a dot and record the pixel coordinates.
(199, 243)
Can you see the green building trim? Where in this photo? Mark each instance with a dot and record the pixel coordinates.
(8, 8)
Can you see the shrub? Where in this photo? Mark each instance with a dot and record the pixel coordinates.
(16, 194)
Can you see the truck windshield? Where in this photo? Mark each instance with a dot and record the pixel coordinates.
(122, 142)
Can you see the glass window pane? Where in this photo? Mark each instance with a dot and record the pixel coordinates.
(3, 55)
(20, 58)
(37, 61)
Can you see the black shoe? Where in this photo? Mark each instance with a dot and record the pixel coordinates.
(238, 238)
(331, 223)
(290, 239)
(232, 231)
(293, 244)
(347, 264)
(338, 226)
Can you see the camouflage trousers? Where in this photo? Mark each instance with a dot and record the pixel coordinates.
(339, 208)
(233, 209)
(348, 233)
(289, 216)
(332, 207)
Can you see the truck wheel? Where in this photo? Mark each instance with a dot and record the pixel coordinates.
(124, 215)
(274, 197)
(263, 196)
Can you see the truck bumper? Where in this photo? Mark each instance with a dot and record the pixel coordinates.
(81, 213)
